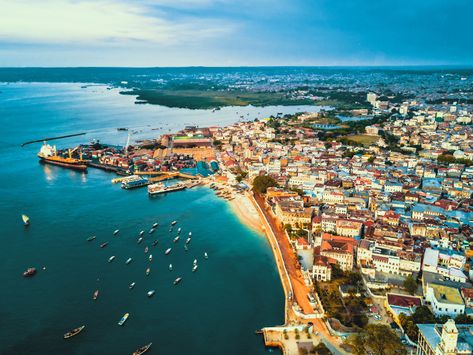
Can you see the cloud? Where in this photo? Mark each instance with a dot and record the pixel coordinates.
(98, 22)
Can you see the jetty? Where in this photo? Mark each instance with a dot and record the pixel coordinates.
(53, 138)
(168, 174)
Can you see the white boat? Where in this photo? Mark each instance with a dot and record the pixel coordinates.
(151, 231)
(111, 258)
(141, 233)
(170, 230)
(150, 257)
(146, 249)
(176, 239)
(124, 318)
(176, 281)
(194, 268)
(155, 225)
(128, 261)
(167, 251)
(190, 234)
(195, 261)
(170, 267)
(188, 240)
(116, 231)
(132, 285)
(140, 240)
(186, 248)
(148, 270)
(178, 230)
(173, 223)
(206, 255)
(151, 293)
(26, 219)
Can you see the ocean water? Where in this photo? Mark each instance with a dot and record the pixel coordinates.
(212, 311)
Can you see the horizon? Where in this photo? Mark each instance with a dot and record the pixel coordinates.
(219, 33)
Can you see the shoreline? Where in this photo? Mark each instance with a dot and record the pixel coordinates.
(245, 211)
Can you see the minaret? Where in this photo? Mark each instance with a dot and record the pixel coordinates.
(448, 340)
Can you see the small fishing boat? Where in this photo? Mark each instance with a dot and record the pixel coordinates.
(29, 272)
(150, 257)
(124, 318)
(128, 261)
(151, 231)
(151, 293)
(140, 240)
(155, 243)
(26, 219)
(186, 248)
(170, 230)
(111, 258)
(190, 234)
(146, 249)
(103, 245)
(143, 349)
(116, 232)
(194, 268)
(91, 238)
(148, 270)
(74, 332)
(141, 233)
(132, 285)
(173, 223)
(176, 239)
(170, 267)
(96, 295)
(155, 225)
(178, 230)
(176, 281)
(188, 240)
(167, 251)
(195, 261)
(206, 255)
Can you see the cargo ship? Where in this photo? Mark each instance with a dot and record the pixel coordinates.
(160, 188)
(48, 155)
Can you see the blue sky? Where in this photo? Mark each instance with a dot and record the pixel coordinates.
(233, 33)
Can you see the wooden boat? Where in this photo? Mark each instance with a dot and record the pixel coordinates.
(74, 332)
(143, 349)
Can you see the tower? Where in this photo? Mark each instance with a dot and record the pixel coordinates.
(448, 339)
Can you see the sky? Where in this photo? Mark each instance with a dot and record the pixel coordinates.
(235, 33)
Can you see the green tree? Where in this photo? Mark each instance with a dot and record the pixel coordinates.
(357, 344)
(262, 182)
(321, 349)
(410, 284)
(463, 319)
(378, 339)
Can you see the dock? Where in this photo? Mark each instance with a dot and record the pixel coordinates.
(170, 174)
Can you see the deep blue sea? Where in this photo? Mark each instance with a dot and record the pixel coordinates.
(212, 311)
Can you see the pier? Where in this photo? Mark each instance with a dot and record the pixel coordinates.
(53, 138)
(168, 174)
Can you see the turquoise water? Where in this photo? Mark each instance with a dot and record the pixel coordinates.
(213, 311)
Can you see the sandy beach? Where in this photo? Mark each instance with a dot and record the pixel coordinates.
(246, 212)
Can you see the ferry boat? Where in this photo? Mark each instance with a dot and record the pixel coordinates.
(151, 293)
(176, 239)
(128, 261)
(132, 285)
(128, 185)
(124, 318)
(111, 258)
(74, 332)
(26, 219)
(91, 238)
(103, 245)
(167, 251)
(143, 349)
(48, 154)
(29, 272)
(176, 281)
(116, 231)
(148, 270)
(160, 188)
(96, 295)
(194, 268)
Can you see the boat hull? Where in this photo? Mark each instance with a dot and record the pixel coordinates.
(65, 164)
